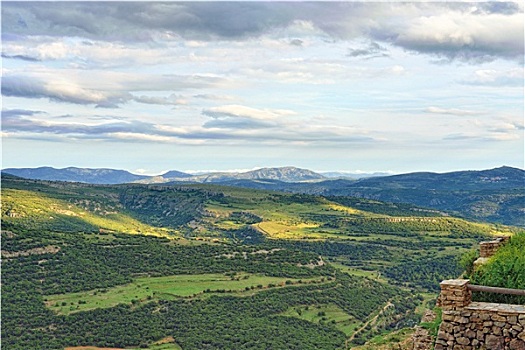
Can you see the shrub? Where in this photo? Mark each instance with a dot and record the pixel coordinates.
(505, 269)
(467, 261)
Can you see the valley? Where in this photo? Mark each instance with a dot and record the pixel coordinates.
(213, 266)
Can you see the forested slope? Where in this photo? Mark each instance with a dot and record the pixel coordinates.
(254, 260)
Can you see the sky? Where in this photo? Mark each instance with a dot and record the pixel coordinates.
(328, 86)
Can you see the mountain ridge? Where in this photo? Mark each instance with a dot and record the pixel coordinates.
(494, 195)
(113, 176)
(74, 174)
(287, 174)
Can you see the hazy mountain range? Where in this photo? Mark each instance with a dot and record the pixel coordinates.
(495, 195)
(112, 176)
(503, 177)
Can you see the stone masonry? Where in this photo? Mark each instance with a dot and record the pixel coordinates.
(470, 325)
(487, 249)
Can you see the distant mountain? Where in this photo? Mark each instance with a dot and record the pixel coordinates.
(352, 176)
(111, 176)
(495, 195)
(71, 174)
(284, 174)
(175, 174)
(498, 178)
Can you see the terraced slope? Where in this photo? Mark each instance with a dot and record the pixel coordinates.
(234, 268)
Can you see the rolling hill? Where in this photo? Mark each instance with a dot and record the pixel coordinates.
(72, 174)
(496, 195)
(208, 266)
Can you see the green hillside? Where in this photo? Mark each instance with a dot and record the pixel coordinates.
(215, 267)
(495, 195)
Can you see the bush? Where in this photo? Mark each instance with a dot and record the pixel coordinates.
(505, 269)
(467, 261)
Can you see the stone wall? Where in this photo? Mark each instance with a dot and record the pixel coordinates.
(488, 248)
(471, 325)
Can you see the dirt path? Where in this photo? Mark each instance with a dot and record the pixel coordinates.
(373, 319)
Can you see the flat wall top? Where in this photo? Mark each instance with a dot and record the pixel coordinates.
(458, 282)
(495, 307)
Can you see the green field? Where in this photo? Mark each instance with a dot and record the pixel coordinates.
(375, 275)
(326, 314)
(145, 289)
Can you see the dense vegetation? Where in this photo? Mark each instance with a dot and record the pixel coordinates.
(99, 261)
(505, 269)
(494, 195)
(64, 238)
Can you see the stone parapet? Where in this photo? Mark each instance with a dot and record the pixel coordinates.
(468, 325)
(489, 248)
(454, 294)
(484, 326)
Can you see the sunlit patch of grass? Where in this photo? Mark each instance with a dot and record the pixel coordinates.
(374, 275)
(35, 210)
(348, 210)
(287, 230)
(329, 314)
(145, 289)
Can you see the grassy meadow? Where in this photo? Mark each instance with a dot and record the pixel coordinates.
(144, 289)
(326, 314)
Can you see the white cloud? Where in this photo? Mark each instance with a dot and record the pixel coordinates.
(130, 136)
(465, 35)
(493, 77)
(451, 111)
(99, 87)
(172, 99)
(238, 111)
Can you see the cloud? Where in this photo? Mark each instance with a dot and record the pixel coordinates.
(214, 97)
(471, 32)
(492, 77)
(171, 100)
(60, 91)
(241, 125)
(496, 137)
(85, 53)
(507, 127)
(499, 129)
(450, 111)
(14, 113)
(315, 71)
(465, 36)
(134, 137)
(373, 50)
(14, 121)
(143, 20)
(238, 111)
(296, 42)
(85, 88)
(242, 117)
(20, 57)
